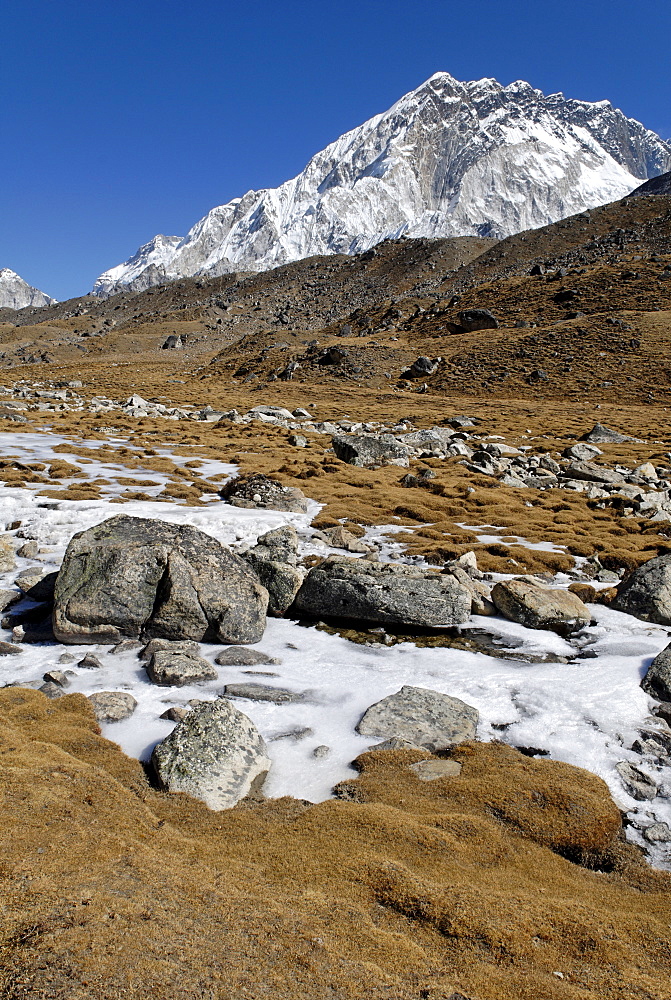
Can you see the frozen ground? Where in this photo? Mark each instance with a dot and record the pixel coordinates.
(587, 711)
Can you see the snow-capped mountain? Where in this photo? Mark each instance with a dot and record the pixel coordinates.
(448, 159)
(15, 293)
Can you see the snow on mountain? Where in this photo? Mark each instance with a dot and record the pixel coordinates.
(15, 293)
(448, 159)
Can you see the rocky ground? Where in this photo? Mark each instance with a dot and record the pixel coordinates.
(430, 431)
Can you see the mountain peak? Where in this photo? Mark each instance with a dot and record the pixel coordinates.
(448, 159)
(15, 293)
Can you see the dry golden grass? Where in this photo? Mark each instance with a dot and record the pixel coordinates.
(408, 890)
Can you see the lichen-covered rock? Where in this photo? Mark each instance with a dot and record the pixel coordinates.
(176, 668)
(132, 577)
(535, 606)
(7, 554)
(381, 592)
(215, 754)
(646, 593)
(422, 717)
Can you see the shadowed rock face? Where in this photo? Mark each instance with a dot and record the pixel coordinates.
(646, 593)
(138, 577)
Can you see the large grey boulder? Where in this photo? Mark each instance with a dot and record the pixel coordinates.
(132, 577)
(535, 606)
(366, 450)
(260, 492)
(274, 559)
(380, 592)
(657, 681)
(646, 593)
(216, 754)
(422, 717)
(429, 440)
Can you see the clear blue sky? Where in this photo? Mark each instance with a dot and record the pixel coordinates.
(124, 119)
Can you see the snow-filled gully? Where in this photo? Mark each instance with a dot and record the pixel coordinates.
(587, 711)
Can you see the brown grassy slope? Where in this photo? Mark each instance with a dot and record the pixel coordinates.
(412, 890)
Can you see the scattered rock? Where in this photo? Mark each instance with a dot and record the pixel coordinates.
(584, 592)
(66, 658)
(188, 646)
(259, 491)
(637, 783)
(28, 550)
(132, 577)
(274, 559)
(173, 343)
(89, 662)
(539, 607)
(396, 743)
(477, 319)
(262, 692)
(175, 714)
(214, 754)
(600, 434)
(321, 751)
(9, 649)
(340, 538)
(593, 473)
(582, 452)
(646, 593)
(7, 558)
(366, 450)
(176, 669)
(126, 646)
(298, 441)
(8, 598)
(242, 656)
(431, 720)
(381, 592)
(56, 677)
(112, 706)
(658, 833)
(51, 690)
(657, 681)
(420, 368)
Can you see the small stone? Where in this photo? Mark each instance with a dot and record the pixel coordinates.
(261, 692)
(658, 833)
(56, 677)
(126, 646)
(396, 743)
(66, 658)
(9, 649)
(431, 770)
(51, 690)
(243, 656)
(637, 783)
(112, 706)
(188, 646)
(295, 735)
(7, 559)
(28, 550)
(177, 668)
(175, 714)
(9, 597)
(89, 662)
(321, 751)
(298, 441)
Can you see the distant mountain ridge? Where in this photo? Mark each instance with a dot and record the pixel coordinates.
(448, 159)
(15, 293)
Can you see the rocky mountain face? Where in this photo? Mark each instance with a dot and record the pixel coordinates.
(15, 293)
(448, 159)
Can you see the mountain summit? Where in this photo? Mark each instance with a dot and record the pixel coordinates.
(448, 159)
(15, 293)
